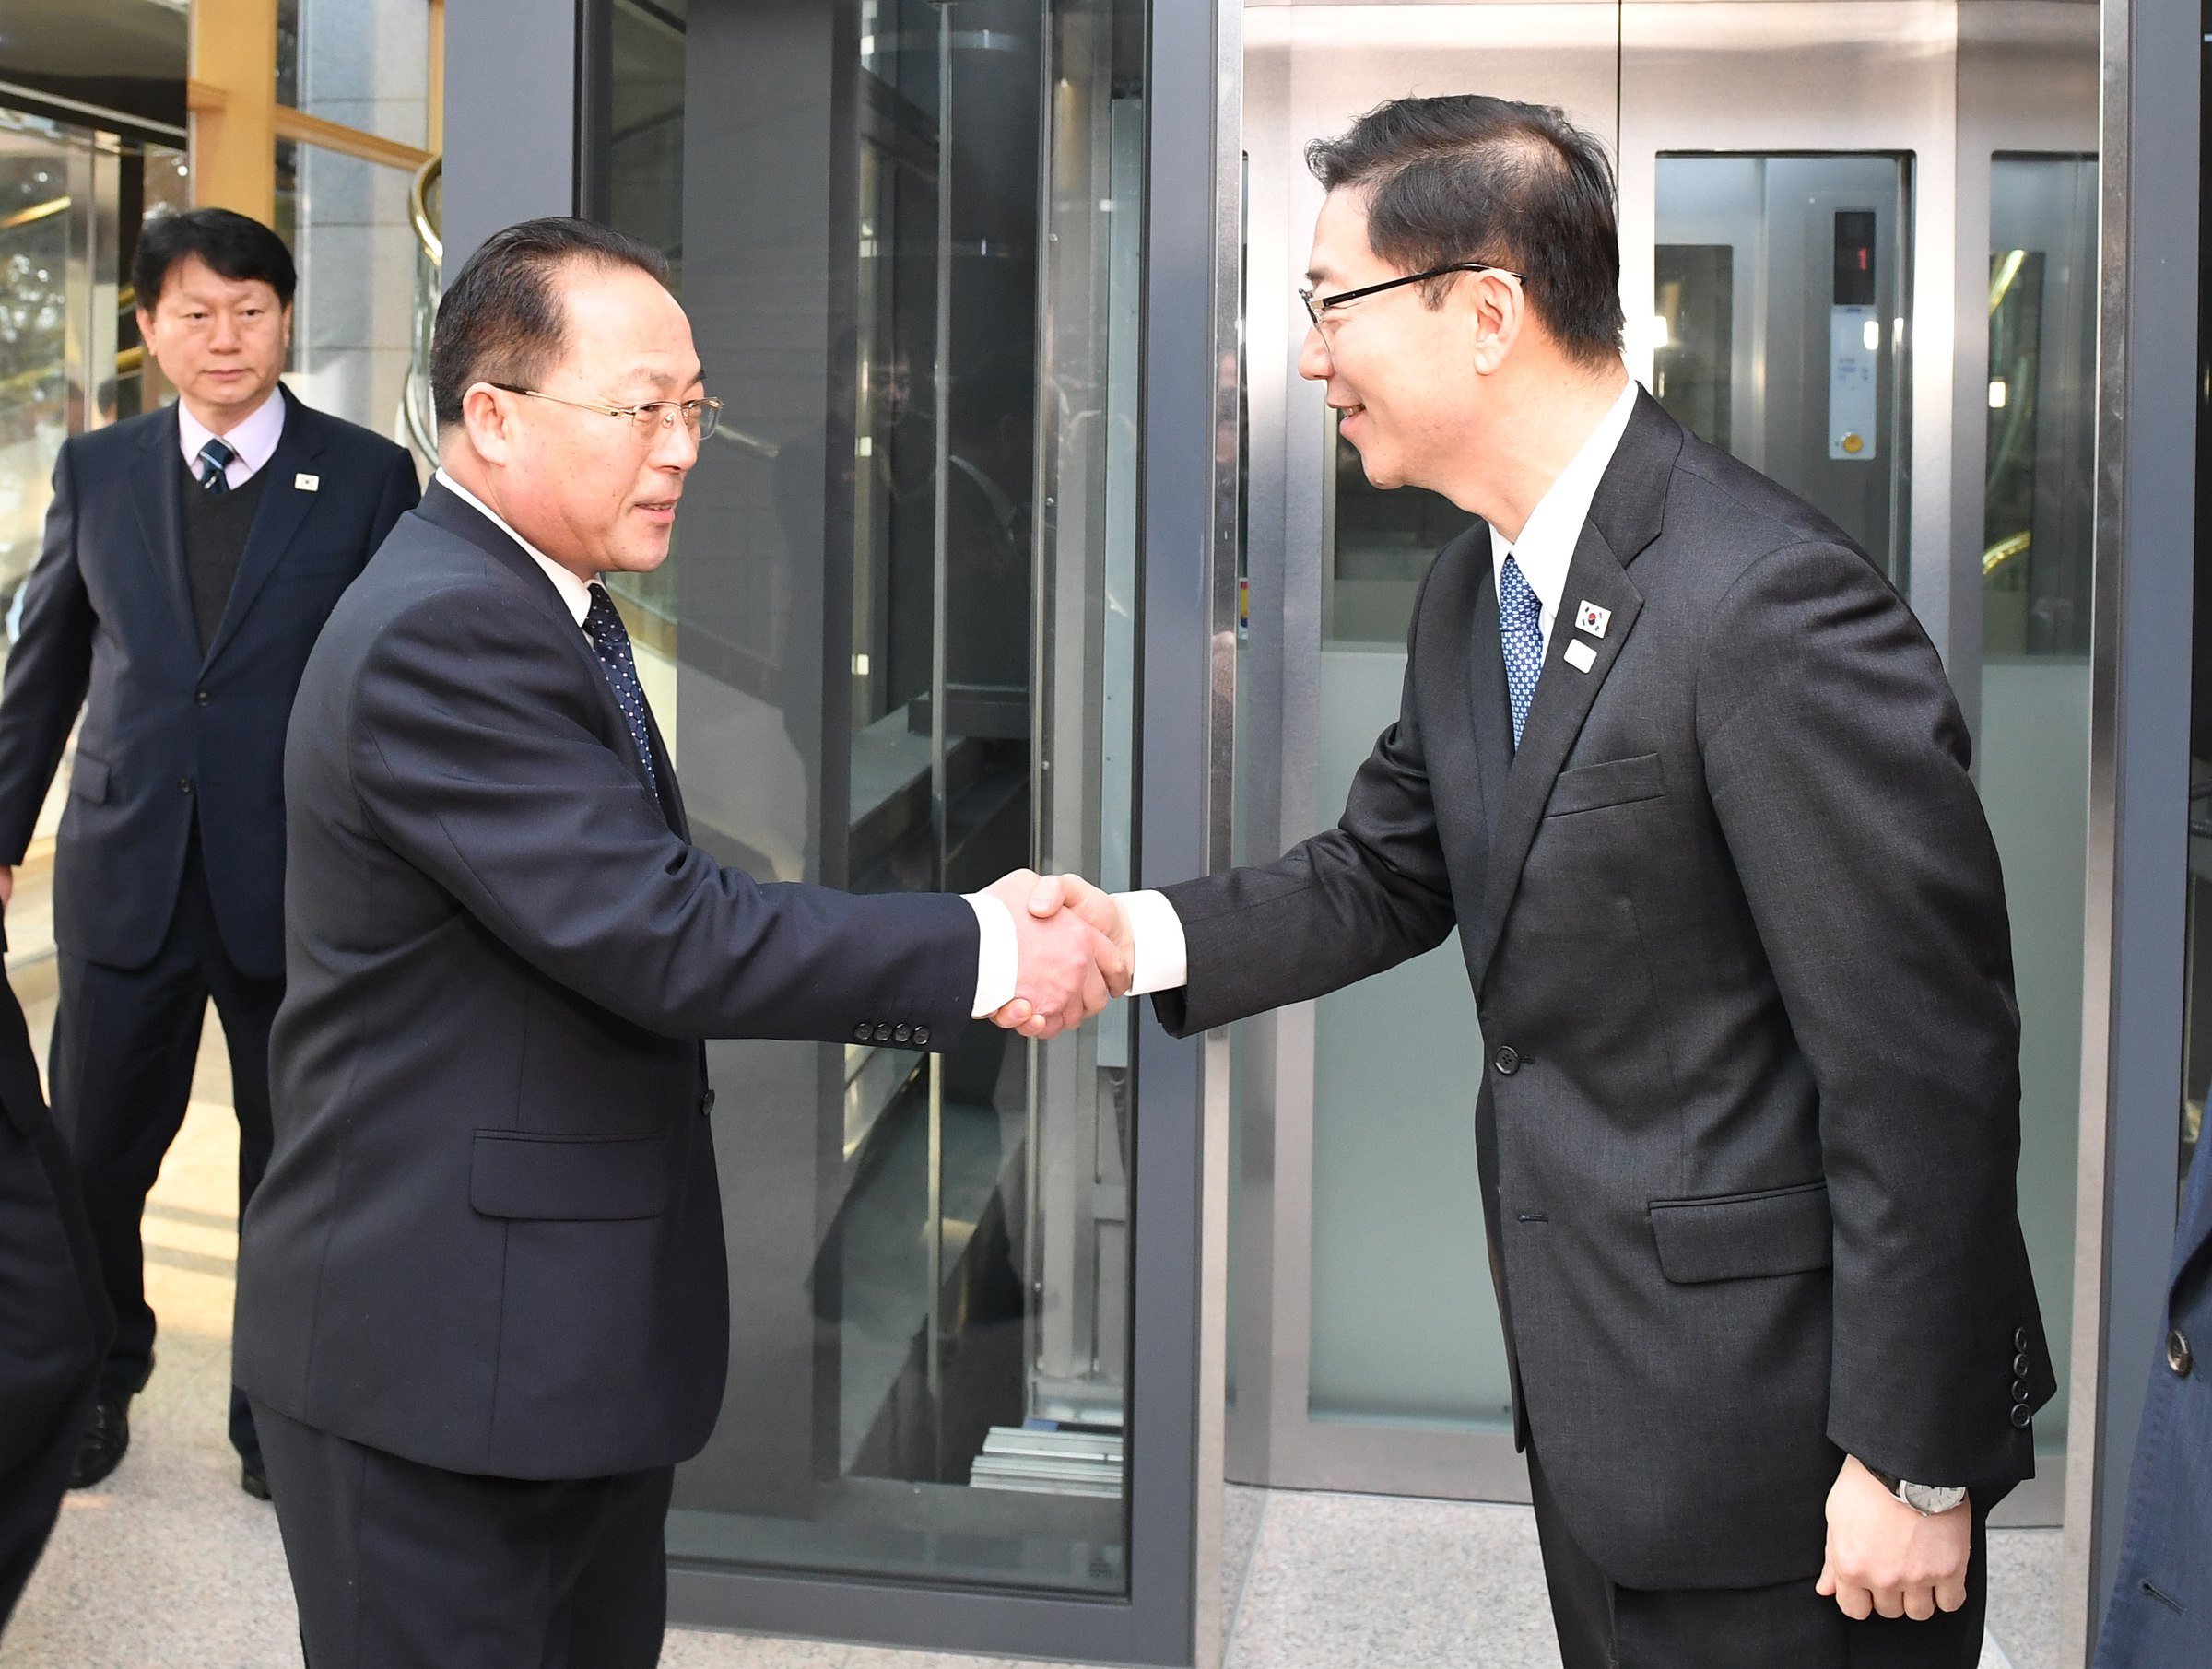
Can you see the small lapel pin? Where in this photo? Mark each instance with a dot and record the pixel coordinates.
(307, 483)
(1593, 619)
(1580, 655)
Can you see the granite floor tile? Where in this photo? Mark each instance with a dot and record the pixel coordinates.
(1342, 1582)
(707, 1649)
(2024, 1571)
(1241, 1509)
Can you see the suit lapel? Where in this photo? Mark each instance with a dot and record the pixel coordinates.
(448, 510)
(284, 506)
(1625, 517)
(156, 495)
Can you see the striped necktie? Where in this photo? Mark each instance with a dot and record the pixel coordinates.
(216, 459)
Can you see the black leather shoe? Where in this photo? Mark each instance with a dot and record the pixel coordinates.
(253, 1481)
(102, 1447)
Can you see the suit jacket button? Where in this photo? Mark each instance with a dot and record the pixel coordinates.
(2019, 1338)
(203, 697)
(2020, 1390)
(900, 1034)
(883, 1033)
(920, 1037)
(2177, 1355)
(863, 1032)
(2020, 1366)
(183, 785)
(706, 1102)
(2022, 1415)
(1507, 1061)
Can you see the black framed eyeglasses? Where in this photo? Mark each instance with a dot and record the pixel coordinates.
(700, 416)
(1317, 305)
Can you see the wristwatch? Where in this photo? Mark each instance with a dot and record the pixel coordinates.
(1927, 1499)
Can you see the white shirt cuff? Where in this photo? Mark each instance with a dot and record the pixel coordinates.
(1163, 960)
(998, 955)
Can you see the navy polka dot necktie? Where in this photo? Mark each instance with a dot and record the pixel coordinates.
(611, 639)
(1521, 633)
(216, 459)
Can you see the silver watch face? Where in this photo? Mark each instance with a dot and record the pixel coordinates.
(1930, 1498)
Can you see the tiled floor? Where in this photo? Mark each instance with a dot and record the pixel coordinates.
(169, 1564)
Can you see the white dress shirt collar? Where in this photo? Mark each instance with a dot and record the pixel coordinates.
(575, 592)
(252, 441)
(1545, 550)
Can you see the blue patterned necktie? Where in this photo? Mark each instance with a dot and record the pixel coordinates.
(216, 459)
(610, 638)
(1521, 634)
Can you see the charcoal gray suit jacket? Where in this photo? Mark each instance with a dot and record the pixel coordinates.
(1749, 1123)
(491, 1235)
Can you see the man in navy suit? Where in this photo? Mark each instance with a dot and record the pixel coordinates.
(2162, 1609)
(192, 556)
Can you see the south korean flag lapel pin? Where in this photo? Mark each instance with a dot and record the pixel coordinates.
(1593, 619)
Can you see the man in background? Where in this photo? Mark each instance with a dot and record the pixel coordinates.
(191, 556)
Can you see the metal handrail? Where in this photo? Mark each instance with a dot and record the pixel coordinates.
(417, 410)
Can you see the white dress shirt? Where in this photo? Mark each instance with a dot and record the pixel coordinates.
(1544, 551)
(998, 954)
(254, 441)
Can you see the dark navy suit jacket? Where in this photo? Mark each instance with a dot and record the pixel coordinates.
(2162, 1609)
(108, 625)
(491, 1235)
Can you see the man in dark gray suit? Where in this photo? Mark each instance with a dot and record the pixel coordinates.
(1685, 774)
(483, 1303)
(192, 555)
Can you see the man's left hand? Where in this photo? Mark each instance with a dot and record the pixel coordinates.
(1883, 1557)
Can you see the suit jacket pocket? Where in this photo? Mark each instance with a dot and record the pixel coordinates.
(1608, 782)
(1736, 1236)
(518, 1173)
(89, 780)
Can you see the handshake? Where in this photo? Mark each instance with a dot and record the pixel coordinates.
(1076, 951)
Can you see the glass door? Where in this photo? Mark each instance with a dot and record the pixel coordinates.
(902, 631)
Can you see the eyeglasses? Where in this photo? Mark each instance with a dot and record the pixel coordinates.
(1317, 305)
(698, 415)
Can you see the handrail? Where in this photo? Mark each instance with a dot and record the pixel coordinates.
(417, 413)
(419, 210)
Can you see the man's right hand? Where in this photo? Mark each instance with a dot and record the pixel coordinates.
(8, 885)
(1068, 968)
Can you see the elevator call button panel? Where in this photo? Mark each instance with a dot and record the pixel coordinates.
(1854, 340)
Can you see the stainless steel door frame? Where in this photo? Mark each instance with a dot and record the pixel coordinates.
(2147, 413)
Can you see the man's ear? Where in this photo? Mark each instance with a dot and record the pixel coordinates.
(1498, 312)
(485, 420)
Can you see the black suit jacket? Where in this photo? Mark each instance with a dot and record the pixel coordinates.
(1738, 944)
(54, 1320)
(108, 625)
(490, 1238)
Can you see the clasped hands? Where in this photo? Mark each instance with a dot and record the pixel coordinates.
(1076, 951)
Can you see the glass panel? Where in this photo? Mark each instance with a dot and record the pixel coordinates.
(2034, 746)
(1779, 317)
(364, 64)
(1405, 1330)
(901, 628)
(353, 318)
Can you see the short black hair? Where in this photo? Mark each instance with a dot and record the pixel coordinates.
(501, 321)
(1472, 178)
(235, 246)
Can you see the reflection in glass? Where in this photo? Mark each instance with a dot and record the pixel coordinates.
(902, 625)
(2043, 342)
(1778, 321)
